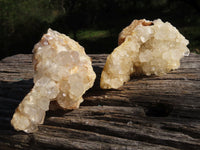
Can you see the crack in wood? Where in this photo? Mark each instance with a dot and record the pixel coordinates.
(146, 113)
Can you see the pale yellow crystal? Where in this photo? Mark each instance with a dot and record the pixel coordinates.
(145, 47)
(63, 72)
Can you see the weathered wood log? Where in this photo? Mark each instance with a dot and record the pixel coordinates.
(146, 113)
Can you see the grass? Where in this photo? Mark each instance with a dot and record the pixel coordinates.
(92, 34)
(192, 33)
(97, 41)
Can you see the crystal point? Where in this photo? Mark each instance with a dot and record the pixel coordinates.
(145, 47)
(63, 72)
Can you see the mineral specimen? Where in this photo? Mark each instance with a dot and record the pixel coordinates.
(145, 47)
(63, 72)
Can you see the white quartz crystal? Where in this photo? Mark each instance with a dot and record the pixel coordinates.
(63, 72)
(145, 47)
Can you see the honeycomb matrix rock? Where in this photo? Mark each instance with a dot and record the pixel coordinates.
(145, 47)
(63, 72)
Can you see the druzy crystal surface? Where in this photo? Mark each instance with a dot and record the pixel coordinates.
(63, 72)
(145, 47)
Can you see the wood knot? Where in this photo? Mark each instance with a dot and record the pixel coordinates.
(159, 110)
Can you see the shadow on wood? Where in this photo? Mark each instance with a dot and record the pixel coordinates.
(146, 113)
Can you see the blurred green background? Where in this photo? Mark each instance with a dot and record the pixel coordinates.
(95, 24)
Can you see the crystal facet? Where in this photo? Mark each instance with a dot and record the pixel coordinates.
(63, 72)
(145, 47)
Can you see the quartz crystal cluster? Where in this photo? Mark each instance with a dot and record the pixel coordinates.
(145, 47)
(63, 72)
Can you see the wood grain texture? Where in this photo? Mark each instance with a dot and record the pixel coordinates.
(146, 113)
